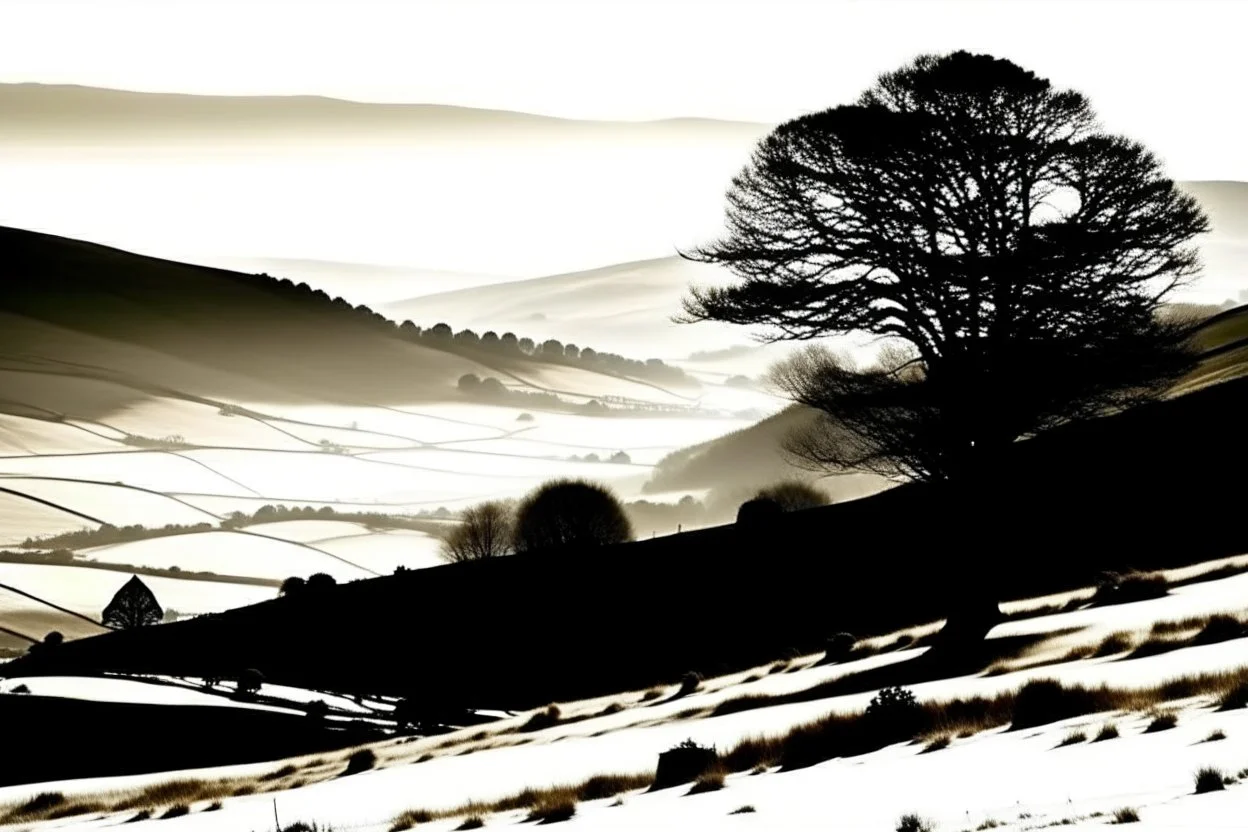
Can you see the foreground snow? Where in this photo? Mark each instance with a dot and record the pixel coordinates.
(1020, 779)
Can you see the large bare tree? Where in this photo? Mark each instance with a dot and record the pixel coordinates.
(970, 213)
(1010, 256)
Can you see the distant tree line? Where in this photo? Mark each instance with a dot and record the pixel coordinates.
(441, 336)
(564, 513)
(492, 390)
(551, 351)
(108, 534)
(65, 557)
(423, 521)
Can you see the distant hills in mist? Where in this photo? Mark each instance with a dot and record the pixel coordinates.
(48, 114)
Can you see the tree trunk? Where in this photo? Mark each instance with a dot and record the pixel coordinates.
(971, 518)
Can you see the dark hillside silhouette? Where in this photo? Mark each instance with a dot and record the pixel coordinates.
(1013, 258)
(126, 738)
(625, 617)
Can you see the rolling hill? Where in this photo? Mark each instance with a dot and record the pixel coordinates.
(1098, 476)
(615, 308)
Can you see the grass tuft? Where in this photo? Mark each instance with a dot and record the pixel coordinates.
(711, 781)
(1217, 734)
(1209, 779)
(1109, 731)
(913, 823)
(1073, 738)
(1162, 722)
(474, 822)
(1126, 815)
(360, 761)
(743, 810)
(554, 811)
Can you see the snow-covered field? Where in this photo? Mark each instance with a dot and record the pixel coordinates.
(77, 452)
(1016, 779)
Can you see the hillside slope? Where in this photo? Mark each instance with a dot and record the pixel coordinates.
(615, 308)
(1097, 477)
(72, 303)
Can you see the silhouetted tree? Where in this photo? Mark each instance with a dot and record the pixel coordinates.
(469, 383)
(589, 354)
(484, 531)
(133, 606)
(621, 458)
(490, 340)
(320, 582)
(292, 585)
(467, 337)
(552, 349)
(564, 513)
(249, 681)
(526, 346)
(509, 342)
(440, 332)
(571, 351)
(794, 495)
(971, 213)
(1013, 255)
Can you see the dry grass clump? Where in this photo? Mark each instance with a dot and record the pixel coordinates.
(914, 823)
(553, 811)
(1162, 722)
(1234, 698)
(937, 744)
(284, 771)
(361, 760)
(539, 801)
(1216, 735)
(1113, 645)
(1073, 738)
(1210, 779)
(711, 781)
(176, 811)
(747, 809)
(1109, 731)
(652, 694)
(1126, 815)
(156, 800)
(548, 717)
(474, 822)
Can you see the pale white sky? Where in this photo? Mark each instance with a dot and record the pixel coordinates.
(1168, 73)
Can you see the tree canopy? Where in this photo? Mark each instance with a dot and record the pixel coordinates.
(564, 513)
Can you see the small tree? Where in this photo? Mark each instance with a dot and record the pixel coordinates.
(249, 681)
(794, 495)
(321, 581)
(484, 531)
(564, 513)
(293, 585)
(469, 383)
(133, 606)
